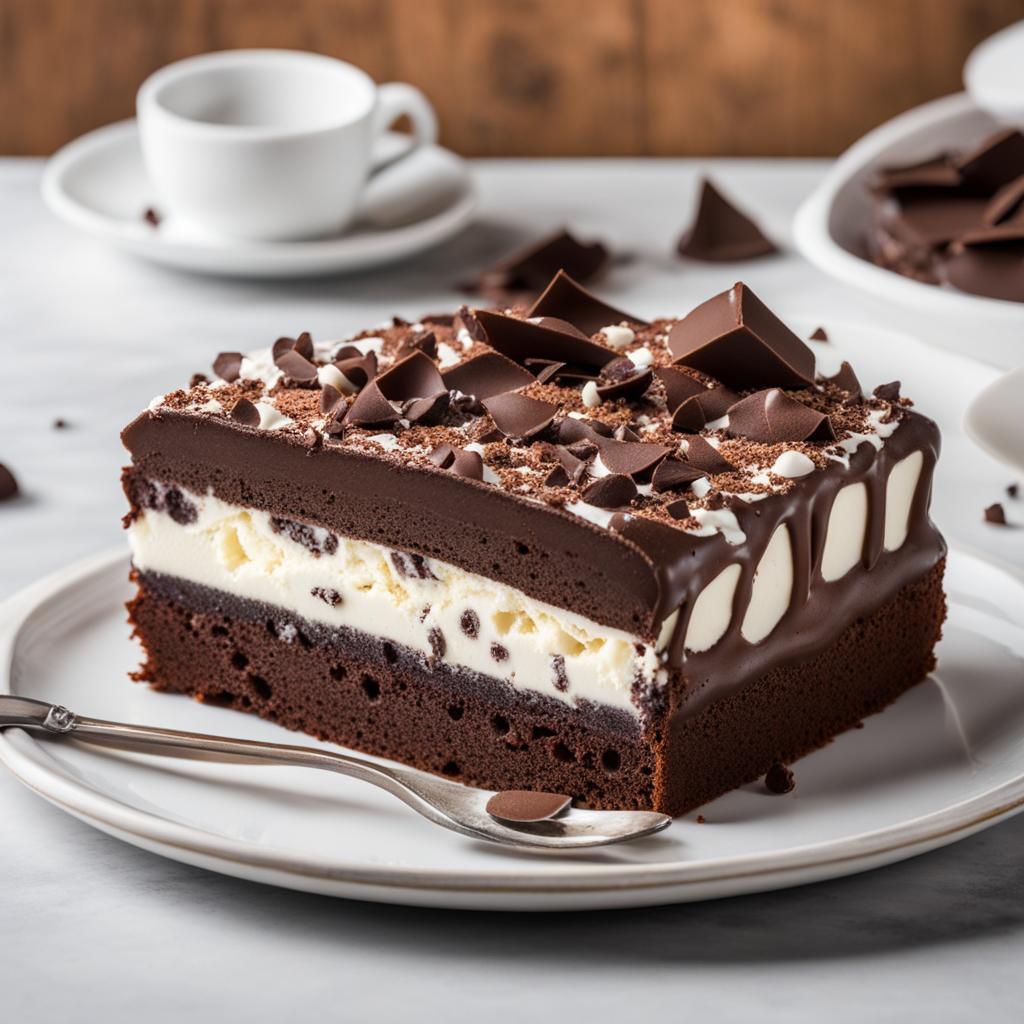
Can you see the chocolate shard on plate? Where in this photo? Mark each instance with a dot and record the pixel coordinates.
(568, 300)
(819, 334)
(8, 484)
(673, 475)
(228, 366)
(705, 456)
(415, 376)
(615, 491)
(525, 273)
(486, 375)
(846, 379)
(371, 408)
(524, 805)
(995, 162)
(518, 416)
(995, 514)
(888, 392)
(736, 339)
(1005, 203)
(631, 458)
(521, 340)
(721, 232)
(679, 385)
(296, 367)
(244, 412)
(772, 416)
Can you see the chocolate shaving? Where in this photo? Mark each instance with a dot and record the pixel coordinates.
(303, 344)
(696, 412)
(519, 417)
(428, 411)
(466, 320)
(487, 375)
(415, 376)
(569, 300)
(443, 455)
(631, 458)
(244, 412)
(8, 484)
(521, 340)
(331, 400)
(679, 386)
(620, 378)
(549, 371)
(721, 232)
(295, 366)
(458, 461)
(772, 416)
(228, 366)
(888, 392)
(996, 514)
(425, 342)
(846, 380)
(674, 475)
(151, 217)
(705, 456)
(615, 491)
(557, 477)
(736, 339)
(678, 509)
(359, 369)
(371, 408)
(572, 463)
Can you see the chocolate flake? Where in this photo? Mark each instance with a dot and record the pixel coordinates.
(487, 375)
(631, 458)
(244, 412)
(415, 376)
(427, 411)
(520, 805)
(705, 456)
(708, 405)
(8, 484)
(315, 539)
(371, 408)
(574, 466)
(228, 366)
(498, 652)
(151, 217)
(1013, 490)
(994, 162)
(631, 383)
(60, 424)
(412, 566)
(721, 232)
(549, 341)
(613, 491)
(303, 344)
(561, 679)
(425, 342)
(1005, 203)
(568, 300)
(736, 339)
(674, 475)
(888, 392)
(846, 380)
(437, 643)
(779, 780)
(678, 509)
(996, 514)
(772, 416)
(679, 385)
(358, 369)
(519, 417)
(331, 400)
(296, 367)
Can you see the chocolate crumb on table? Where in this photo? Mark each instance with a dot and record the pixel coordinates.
(1012, 490)
(8, 483)
(151, 217)
(779, 779)
(60, 424)
(721, 232)
(996, 514)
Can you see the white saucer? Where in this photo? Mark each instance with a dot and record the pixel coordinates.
(98, 183)
(829, 228)
(947, 760)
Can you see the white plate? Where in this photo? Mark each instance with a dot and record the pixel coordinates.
(829, 228)
(945, 761)
(98, 183)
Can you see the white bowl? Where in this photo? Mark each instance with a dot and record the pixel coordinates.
(830, 225)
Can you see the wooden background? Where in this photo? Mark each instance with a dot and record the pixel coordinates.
(520, 77)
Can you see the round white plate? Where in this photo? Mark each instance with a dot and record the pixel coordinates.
(98, 183)
(829, 230)
(945, 761)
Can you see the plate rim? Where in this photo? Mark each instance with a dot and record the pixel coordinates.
(25, 756)
(262, 259)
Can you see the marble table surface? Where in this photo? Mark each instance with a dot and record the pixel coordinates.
(94, 928)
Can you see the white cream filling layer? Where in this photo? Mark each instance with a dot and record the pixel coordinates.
(357, 585)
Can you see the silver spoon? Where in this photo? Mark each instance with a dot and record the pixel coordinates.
(538, 820)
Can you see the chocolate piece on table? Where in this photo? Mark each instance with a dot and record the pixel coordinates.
(428, 411)
(819, 334)
(228, 365)
(8, 483)
(244, 412)
(519, 416)
(523, 275)
(568, 300)
(1012, 490)
(487, 374)
(772, 416)
(721, 232)
(614, 491)
(736, 339)
(995, 514)
(779, 779)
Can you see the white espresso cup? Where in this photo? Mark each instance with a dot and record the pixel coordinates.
(269, 145)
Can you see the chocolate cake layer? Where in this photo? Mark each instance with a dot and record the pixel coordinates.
(369, 695)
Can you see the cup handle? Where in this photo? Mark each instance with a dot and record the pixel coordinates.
(394, 100)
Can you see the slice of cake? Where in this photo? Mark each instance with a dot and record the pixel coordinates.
(557, 549)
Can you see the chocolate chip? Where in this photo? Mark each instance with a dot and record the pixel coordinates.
(437, 643)
(995, 514)
(411, 566)
(706, 456)
(779, 779)
(519, 417)
(721, 232)
(499, 653)
(697, 411)
(487, 375)
(772, 416)
(568, 300)
(888, 392)
(736, 339)
(244, 412)
(558, 668)
(428, 411)
(60, 424)
(296, 367)
(674, 475)
(819, 334)
(228, 366)
(614, 491)
(328, 595)
(315, 539)
(151, 217)
(469, 623)
(8, 484)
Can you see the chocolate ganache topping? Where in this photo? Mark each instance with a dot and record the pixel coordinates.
(571, 449)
